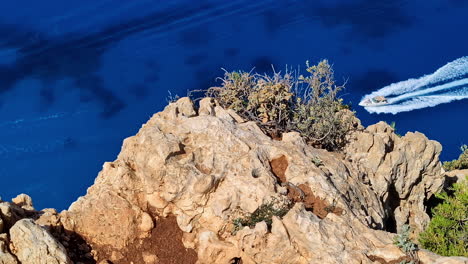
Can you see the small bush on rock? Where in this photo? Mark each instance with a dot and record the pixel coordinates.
(317, 161)
(264, 212)
(447, 233)
(317, 110)
(403, 241)
(459, 164)
(287, 102)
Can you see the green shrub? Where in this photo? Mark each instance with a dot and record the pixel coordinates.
(317, 161)
(264, 212)
(235, 90)
(393, 125)
(460, 163)
(403, 241)
(317, 111)
(260, 98)
(447, 233)
(287, 102)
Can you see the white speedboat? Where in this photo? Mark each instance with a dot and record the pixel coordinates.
(376, 101)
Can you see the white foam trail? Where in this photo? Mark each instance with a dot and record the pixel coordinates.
(14, 150)
(27, 121)
(447, 84)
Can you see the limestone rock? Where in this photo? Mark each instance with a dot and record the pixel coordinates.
(429, 257)
(456, 175)
(209, 168)
(23, 201)
(120, 219)
(5, 256)
(403, 172)
(207, 106)
(48, 217)
(33, 244)
(179, 188)
(10, 213)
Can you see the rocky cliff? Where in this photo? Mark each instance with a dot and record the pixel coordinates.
(186, 188)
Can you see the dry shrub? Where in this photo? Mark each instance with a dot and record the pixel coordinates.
(235, 90)
(287, 102)
(264, 212)
(317, 110)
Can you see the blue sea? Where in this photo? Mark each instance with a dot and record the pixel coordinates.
(77, 77)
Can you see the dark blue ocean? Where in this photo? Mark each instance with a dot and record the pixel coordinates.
(77, 77)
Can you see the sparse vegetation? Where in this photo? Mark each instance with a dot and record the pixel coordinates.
(172, 98)
(403, 241)
(317, 161)
(447, 233)
(317, 111)
(393, 125)
(288, 102)
(264, 212)
(459, 164)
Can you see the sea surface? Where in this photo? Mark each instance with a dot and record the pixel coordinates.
(77, 77)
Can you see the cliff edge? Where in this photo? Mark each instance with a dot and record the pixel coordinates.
(204, 186)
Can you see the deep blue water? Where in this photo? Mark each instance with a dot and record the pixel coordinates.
(77, 77)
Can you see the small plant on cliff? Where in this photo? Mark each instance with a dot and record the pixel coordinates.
(260, 98)
(459, 164)
(317, 112)
(264, 212)
(403, 241)
(447, 233)
(317, 161)
(172, 98)
(287, 102)
(393, 125)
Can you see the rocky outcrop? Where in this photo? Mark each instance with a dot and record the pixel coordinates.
(23, 239)
(5, 256)
(31, 243)
(209, 167)
(403, 172)
(194, 185)
(456, 175)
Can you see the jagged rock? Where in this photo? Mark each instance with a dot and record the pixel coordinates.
(206, 107)
(211, 168)
(5, 256)
(178, 186)
(10, 213)
(429, 257)
(23, 201)
(404, 172)
(123, 221)
(31, 243)
(48, 217)
(456, 175)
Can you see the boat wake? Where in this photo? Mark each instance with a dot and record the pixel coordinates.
(41, 134)
(445, 85)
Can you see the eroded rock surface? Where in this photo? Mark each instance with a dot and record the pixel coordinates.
(30, 236)
(210, 168)
(403, 172)
(456, 175)
(186, 188)
(31, 243)
(5, 256)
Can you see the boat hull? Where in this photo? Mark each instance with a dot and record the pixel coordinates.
(368, 103)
